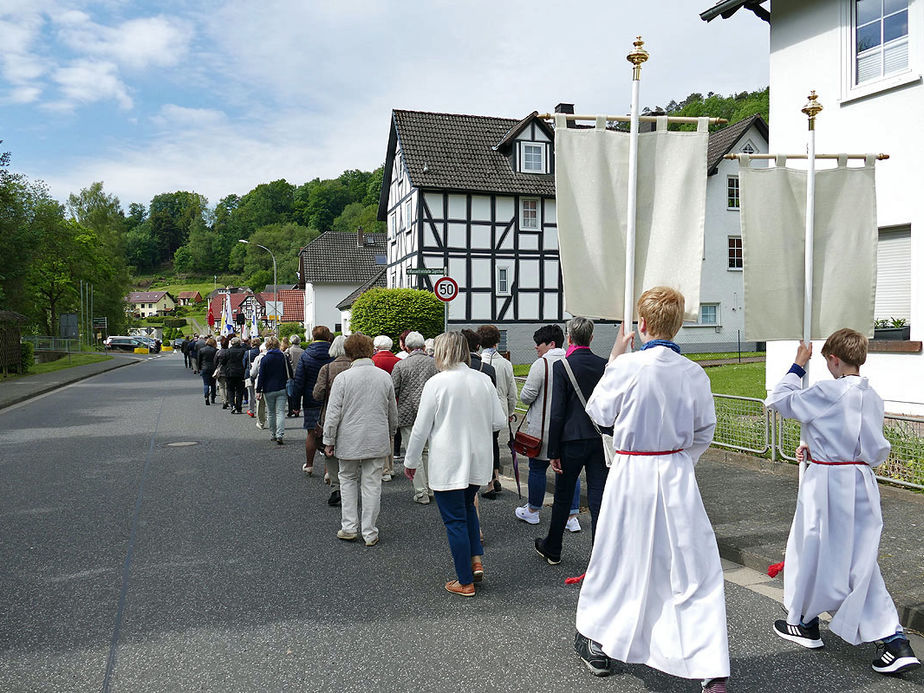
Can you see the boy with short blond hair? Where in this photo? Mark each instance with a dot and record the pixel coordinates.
(653, 593)
(833, 546)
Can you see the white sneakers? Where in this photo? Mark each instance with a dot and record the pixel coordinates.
(572, 525)
(528, 516)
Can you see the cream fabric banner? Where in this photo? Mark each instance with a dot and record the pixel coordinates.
(773, 239)
(591, 181)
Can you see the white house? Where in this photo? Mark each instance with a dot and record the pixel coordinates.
(865, 60)
(476, 195)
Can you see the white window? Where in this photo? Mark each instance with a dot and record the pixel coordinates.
(532, 158)
(407, 214)
(880, 39)
(503, 280)
(708, 313)
(529, 214)
(893, 274)
(734, 199)
(735, 253)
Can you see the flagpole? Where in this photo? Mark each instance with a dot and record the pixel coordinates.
(811, 109)
(638, 56)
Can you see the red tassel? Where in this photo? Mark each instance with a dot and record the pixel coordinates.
(575, 580)
(775, 569)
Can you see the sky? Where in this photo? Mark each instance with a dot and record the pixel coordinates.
(218, 96)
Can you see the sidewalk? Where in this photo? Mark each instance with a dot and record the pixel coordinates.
(18, 390)
(751, 502)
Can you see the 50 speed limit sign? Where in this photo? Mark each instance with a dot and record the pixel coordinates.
(446, 288)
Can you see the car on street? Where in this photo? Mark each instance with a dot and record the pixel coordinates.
(123, 343)
(152, 344)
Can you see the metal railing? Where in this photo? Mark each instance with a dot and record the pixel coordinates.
(745, 424)
(44, 343)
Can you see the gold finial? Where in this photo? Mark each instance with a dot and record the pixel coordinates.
(637, 57)
(812, 109)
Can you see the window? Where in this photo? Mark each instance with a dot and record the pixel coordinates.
(532, 158)
(529, 214)
(748, 148)
(734, 200)
(708, 313)
(503, 280)
(502, 343)
(893, 273)
(735, 257)
(407, 215)
(880, 39)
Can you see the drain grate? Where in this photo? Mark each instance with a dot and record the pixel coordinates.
(182, 444)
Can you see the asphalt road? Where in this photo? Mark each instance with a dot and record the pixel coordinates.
(131, 564)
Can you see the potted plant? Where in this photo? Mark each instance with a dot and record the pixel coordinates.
(892, 328)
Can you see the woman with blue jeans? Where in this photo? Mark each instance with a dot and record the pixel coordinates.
(275, 370)
(205, 366)
(537, 394)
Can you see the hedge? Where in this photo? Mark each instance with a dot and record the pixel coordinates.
(391, 311)
(174, 322)
(287, 329)
(26, 356)
(154, 320)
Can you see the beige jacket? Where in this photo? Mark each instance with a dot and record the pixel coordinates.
(362, 415)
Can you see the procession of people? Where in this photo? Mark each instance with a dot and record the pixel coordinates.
(636, 424)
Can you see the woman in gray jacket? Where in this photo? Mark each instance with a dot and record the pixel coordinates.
(359, 426)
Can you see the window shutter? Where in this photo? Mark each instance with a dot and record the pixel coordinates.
(893, 275)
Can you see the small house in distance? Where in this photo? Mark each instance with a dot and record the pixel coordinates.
(188, 298)
(144, 304)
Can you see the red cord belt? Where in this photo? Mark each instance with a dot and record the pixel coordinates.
(836, 464)
(652, 453)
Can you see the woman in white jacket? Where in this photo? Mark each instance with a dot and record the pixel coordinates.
(459, 410)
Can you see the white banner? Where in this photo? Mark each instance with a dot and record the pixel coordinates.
(773, 239)
(591, 180)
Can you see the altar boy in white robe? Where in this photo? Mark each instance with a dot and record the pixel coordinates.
(833, 547)
(653, 593)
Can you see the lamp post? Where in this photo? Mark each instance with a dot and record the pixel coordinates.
(275, 285)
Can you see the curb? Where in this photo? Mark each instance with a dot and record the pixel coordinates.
(45, 389)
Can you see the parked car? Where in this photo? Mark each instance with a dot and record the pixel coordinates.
(122, 343)
(152, 344)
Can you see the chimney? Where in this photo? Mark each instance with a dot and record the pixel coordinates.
(650, 127)
(566, 108)
(360, 237)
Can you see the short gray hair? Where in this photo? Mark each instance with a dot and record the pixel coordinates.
(414, 340)
(449, 349)
(294, 339)
(383, 341)
(580, 330)
(428, 346)
(235, 341)
(336, 347)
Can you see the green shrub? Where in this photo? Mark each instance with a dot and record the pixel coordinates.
(287, 329)
(391, 311)
(175, 322)
(154, 320)
(26, 356)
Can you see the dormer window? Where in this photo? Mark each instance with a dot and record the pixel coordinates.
(532, 158)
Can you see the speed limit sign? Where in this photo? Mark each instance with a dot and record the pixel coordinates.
(446, 288)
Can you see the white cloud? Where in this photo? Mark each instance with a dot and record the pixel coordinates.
(173, 116)
(86, 81)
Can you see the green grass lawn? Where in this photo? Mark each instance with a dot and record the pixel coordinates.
(204, 288)
(62, 363)
(724, 355)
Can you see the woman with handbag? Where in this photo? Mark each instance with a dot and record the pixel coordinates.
(458, 412)
(537, 395)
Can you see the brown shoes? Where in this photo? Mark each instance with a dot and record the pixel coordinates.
(477, 570)
(462, 590)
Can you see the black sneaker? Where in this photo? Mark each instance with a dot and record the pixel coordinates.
(807, 637)
(540, 549)
(895, 657)
(592, 655)
(334, 499)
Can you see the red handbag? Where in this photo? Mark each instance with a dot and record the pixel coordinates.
(524, 443)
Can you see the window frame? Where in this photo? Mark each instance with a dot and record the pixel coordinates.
(538, 215)
(506, 267)
(737, 193)
(738, 258)
(718, 315)
(543, 158)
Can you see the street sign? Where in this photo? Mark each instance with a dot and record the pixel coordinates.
(101, 323)
(273, 310)
(426, 270)
(446, 288)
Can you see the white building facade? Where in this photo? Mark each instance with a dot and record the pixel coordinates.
(865, 61)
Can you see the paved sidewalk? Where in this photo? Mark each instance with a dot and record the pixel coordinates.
(751, 502)
(18, 390)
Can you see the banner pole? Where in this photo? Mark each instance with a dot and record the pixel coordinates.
(811, 109)
(638, 56)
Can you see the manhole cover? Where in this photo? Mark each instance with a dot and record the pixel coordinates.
(182, 444)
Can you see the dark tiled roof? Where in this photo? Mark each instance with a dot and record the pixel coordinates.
(335, 258)
(293, 305)
(145, 296)
(721, 141)
(377, 281)
(11, 316)
(726, 8)
(456, 152)
(282, 287)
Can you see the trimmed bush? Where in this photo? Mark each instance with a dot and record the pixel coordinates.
(175, 322)
(26, 356)
(287, 329)
(391, 311)
(154, 320)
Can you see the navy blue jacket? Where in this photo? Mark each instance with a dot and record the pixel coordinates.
(249, 357)
(486, 368)
(316, 355)
(273, 373)
(567, 419)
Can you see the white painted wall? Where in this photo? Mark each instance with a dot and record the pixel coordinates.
(325, 298)
(809, 49)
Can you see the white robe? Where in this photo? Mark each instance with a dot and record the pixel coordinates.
(654, 592)
(833, 546)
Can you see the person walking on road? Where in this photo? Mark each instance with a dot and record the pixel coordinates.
(458, 411)
(294, 354)
(384, 359)
(205, 366)
(233, 367)
(274, 372)
(506, 393)
(409, 377)
(249, 358)
(359, 425)
(260, 412)
(321, 393)
(309, 365)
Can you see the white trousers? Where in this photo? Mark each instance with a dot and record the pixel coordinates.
(422, 490)
(361, 477)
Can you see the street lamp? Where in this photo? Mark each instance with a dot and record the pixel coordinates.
(275, 285)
